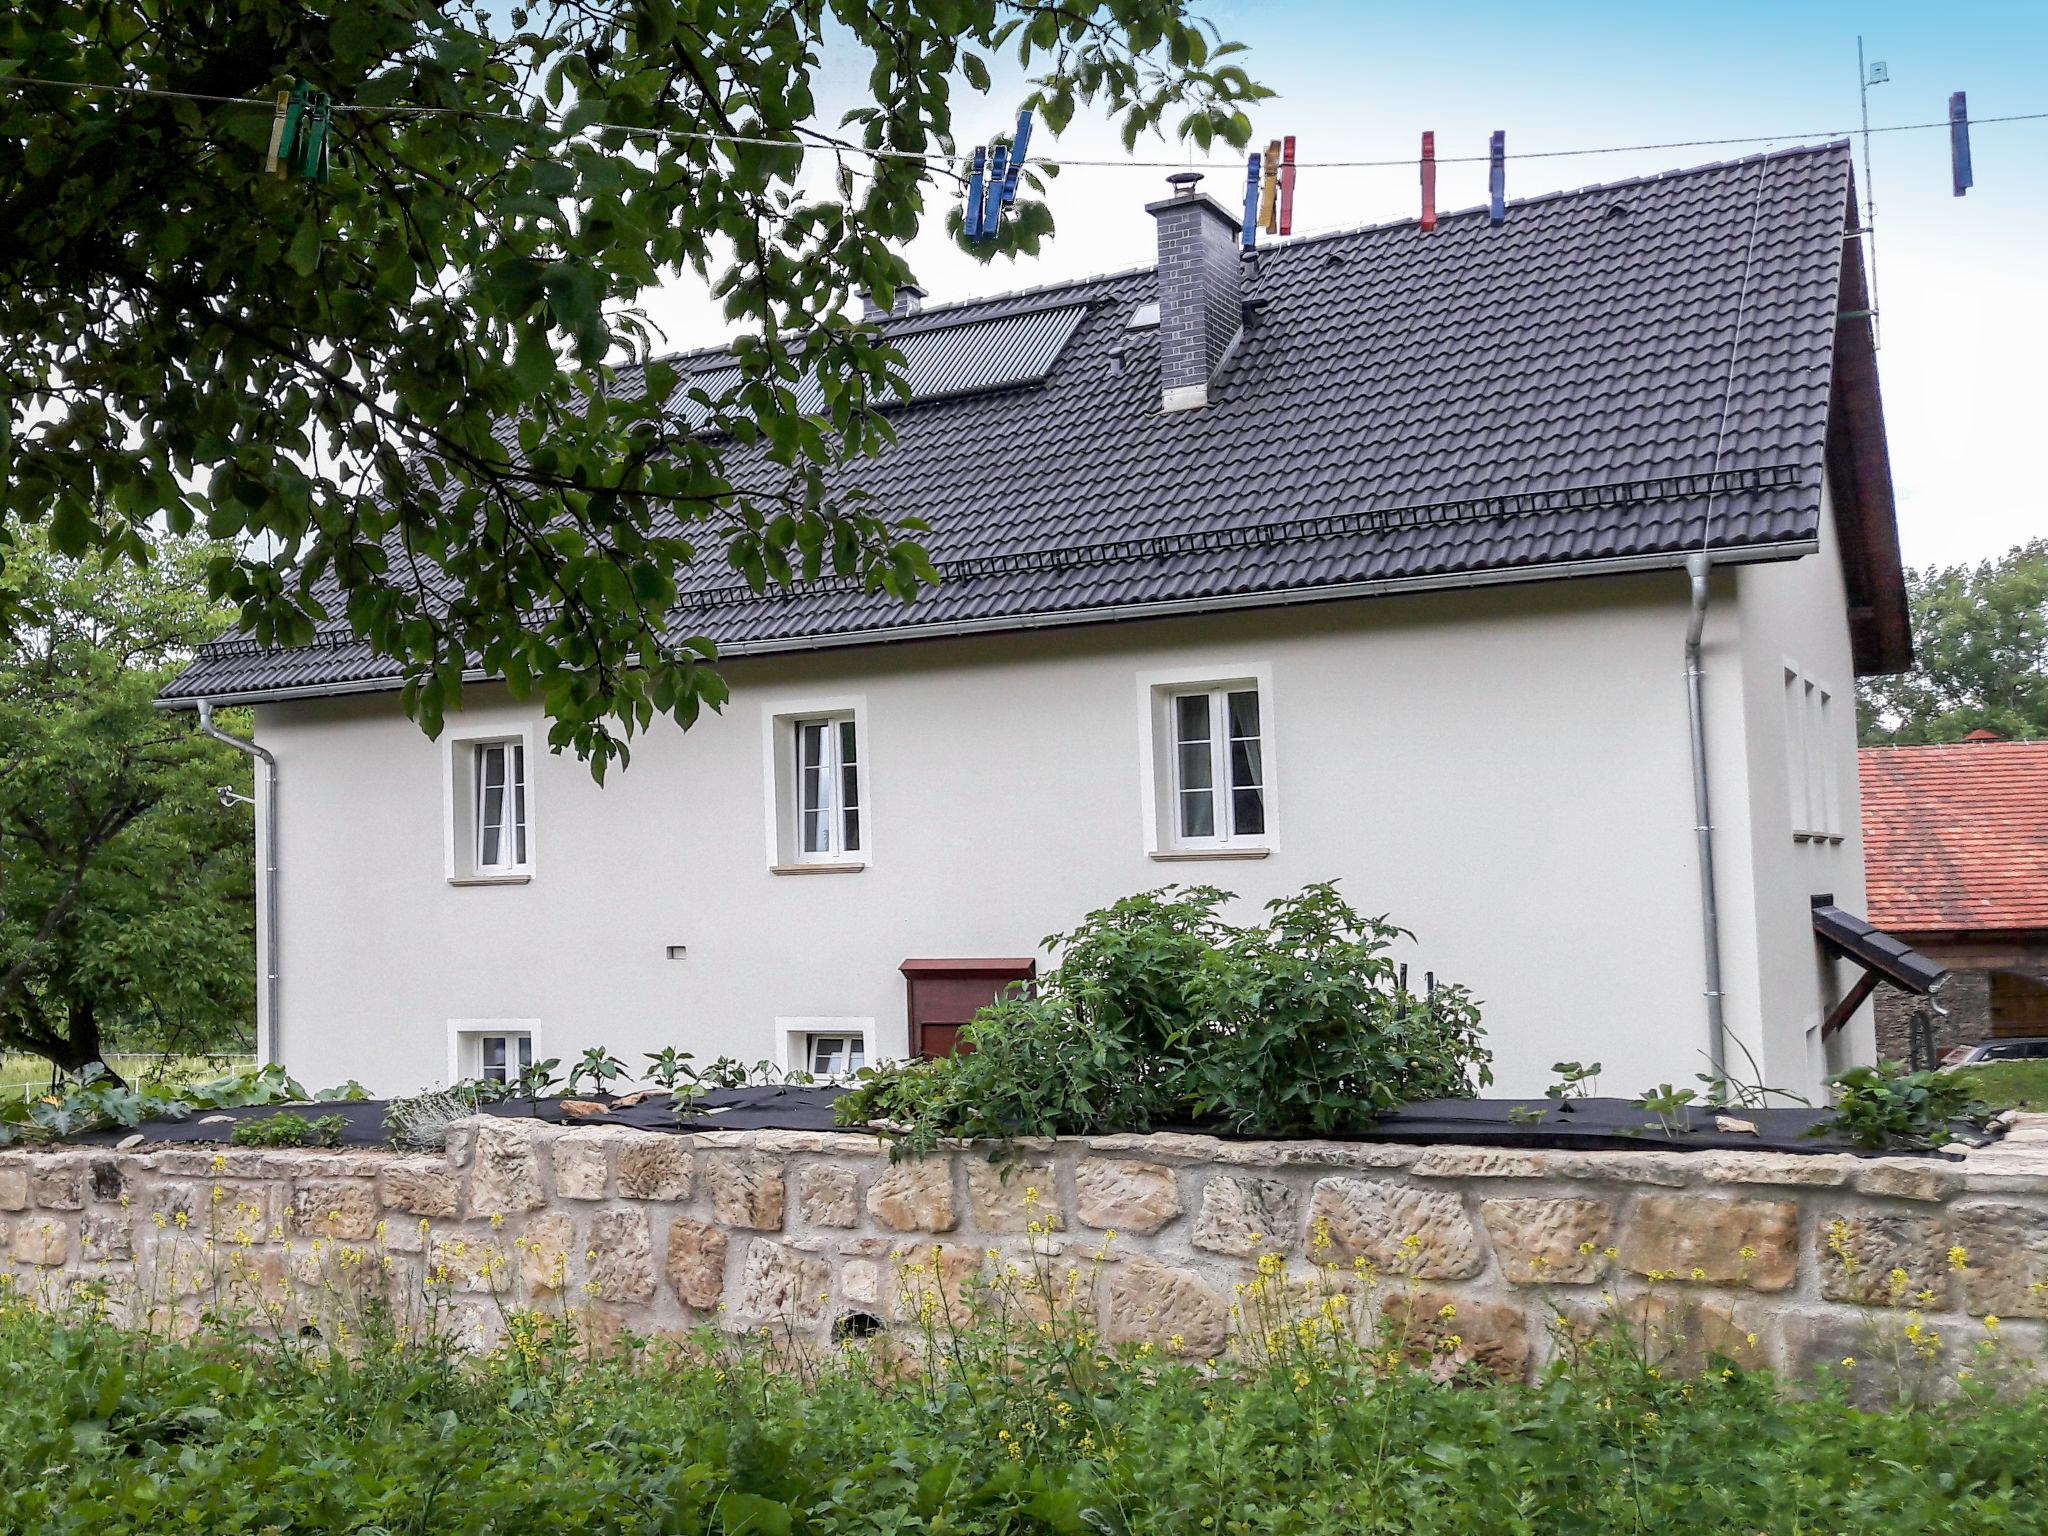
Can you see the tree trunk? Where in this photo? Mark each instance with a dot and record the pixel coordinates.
(80, 1048)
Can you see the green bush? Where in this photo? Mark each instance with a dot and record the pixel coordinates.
(1161, 1013)
(113, 1434)
(290, 1130)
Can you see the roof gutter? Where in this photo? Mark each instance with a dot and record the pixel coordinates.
(1698, 566)
(269, 1036)
(1074, 618)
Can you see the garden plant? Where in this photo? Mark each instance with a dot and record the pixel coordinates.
(1161, 1013)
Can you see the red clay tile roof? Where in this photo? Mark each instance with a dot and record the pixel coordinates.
(1956, 837)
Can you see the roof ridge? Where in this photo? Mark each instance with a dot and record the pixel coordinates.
(2035, 742)
(1295, 242)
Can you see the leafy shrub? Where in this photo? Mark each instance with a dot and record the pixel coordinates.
(1889, 1106)
(1160, 1013)
(290, 1130)
(93, 1101)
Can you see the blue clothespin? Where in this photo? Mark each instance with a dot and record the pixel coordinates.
(1018, 146)
(972, 217)
(998, 176)
(1959, 142)
(1254, 171)
(1497, 176)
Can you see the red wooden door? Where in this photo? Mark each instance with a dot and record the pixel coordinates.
(942, 995)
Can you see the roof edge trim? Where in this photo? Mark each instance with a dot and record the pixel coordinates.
(1076, 618)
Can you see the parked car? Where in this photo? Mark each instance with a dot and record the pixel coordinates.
(2034, 1049)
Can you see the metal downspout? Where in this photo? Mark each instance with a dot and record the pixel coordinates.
(1697, 566)
(267, 831)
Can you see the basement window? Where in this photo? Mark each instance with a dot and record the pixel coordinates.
(835, 1055)
(490, 1050)
(832, 1049)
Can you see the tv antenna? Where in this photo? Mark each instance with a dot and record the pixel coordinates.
(1877, 72)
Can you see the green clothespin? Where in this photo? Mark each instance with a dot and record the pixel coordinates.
(313, 138)
(299, 134)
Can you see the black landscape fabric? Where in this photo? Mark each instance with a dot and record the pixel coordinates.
(1565, 1125)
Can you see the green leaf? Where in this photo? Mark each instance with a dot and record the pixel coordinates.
(303, 254)
(748, 1514)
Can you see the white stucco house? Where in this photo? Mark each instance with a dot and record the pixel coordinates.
(1368, 557)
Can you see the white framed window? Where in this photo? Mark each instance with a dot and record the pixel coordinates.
(487, 770)
(824, 1047)
(503, 1057)
(820, 819)
(496, 1050)
(827, 768)
(500, 820)
(835, 1055)
(1208, 764)
(1219, 777)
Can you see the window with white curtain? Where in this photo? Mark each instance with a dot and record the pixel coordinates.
(1218, 769)
(499, 780)
(827, 784)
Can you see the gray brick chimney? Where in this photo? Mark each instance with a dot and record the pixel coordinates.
(909, 300)
(1201, 296)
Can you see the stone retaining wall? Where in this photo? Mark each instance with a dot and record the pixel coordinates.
(1778, 1259)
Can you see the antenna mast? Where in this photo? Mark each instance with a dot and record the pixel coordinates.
(1876, 73)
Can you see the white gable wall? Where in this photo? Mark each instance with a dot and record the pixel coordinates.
(1504, 770)
(1794, 619)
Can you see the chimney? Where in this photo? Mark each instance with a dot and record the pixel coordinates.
(909, 300)
(1201, 304)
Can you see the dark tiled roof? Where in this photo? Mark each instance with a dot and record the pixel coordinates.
(1955, 838)
(1406, 407)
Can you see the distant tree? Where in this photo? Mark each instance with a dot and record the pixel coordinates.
(126, 904)
(1980, 636)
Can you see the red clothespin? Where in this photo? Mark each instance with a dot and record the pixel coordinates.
(1428, 182)
(1287, 185)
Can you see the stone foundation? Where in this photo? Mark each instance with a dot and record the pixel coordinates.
(1490, 1256)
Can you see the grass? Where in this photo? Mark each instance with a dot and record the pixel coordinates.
(2009, 1084)
(25, 1075)
(991, 1430)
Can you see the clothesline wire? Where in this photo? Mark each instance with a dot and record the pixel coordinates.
(947, 161)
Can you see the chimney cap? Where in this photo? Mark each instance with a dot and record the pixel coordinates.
(1184, 182)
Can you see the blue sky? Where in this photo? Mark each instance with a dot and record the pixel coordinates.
(1963, 281)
